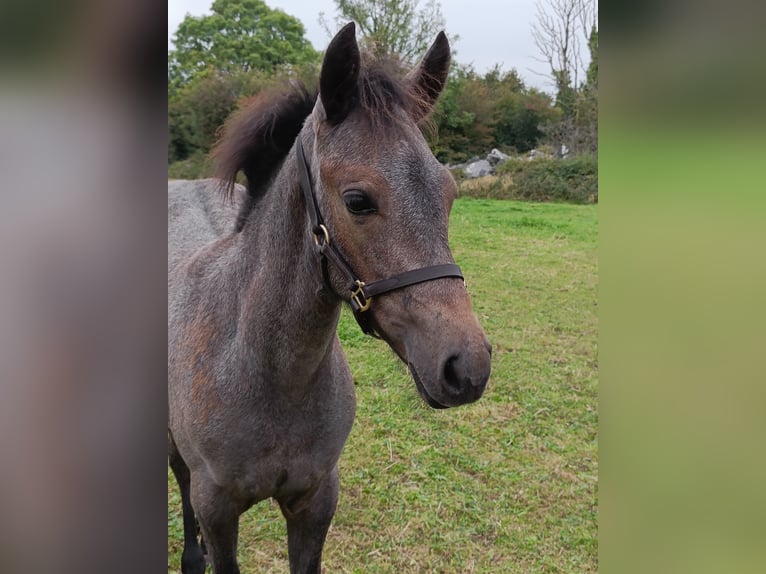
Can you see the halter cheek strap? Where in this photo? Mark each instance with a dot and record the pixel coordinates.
(360, 293)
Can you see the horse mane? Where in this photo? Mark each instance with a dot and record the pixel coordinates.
(258, 136)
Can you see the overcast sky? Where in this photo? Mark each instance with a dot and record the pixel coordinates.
(491, 31)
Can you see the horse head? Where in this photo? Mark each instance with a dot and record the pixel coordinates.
(385, 202)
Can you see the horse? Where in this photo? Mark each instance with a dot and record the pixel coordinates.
(343, 202)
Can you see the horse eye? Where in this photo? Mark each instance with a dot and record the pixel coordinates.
(358, 203)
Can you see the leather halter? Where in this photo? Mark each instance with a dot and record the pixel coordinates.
(361, 293)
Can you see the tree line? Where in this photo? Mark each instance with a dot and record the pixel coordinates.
(244, 46)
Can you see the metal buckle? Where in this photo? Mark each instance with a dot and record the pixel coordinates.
(325, 235)
(355, 298)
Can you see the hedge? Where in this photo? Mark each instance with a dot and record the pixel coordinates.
(571, 180)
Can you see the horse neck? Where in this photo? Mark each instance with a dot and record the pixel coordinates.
(287, 319)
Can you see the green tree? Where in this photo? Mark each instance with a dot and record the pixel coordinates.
(239, 36)
(198, 109)
(397, 28)
(462, 117)
(591, 76)
(475, 114)
(519, 117)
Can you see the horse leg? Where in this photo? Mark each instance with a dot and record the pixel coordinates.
(192, 558)
(308, 520)
(219, 521)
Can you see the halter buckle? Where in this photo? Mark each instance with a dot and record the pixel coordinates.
(321, 236)
(359, 302)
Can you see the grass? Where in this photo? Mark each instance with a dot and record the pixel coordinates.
(506, 485)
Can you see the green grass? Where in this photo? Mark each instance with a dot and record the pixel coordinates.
(508, 484)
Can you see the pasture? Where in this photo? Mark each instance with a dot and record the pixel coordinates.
(505, 485)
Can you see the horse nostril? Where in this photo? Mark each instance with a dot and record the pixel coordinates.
(450, 373)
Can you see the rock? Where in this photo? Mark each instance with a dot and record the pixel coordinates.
(478, 168)
(496, 156)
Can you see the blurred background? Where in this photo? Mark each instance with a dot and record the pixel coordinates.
(681, 283)
(82, 297)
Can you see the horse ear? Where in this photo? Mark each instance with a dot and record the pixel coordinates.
(428, 78)
(340, 71)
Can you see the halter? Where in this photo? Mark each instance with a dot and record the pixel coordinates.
(361, 293)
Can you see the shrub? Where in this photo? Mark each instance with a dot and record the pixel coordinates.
(571, 180)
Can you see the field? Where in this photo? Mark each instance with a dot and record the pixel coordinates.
(506, 485)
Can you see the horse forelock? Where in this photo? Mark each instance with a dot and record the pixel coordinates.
(384, 94)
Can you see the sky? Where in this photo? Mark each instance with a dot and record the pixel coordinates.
(490, 31)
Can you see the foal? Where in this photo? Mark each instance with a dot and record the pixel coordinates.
(344, 202)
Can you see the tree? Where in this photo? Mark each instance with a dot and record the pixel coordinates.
(475, 114)
(518, 111)
(588, 105)
(392, 27)
(561, 29)
(462, 117)
(198, 109)
(519, 117)
(591, 77)
(239, 36)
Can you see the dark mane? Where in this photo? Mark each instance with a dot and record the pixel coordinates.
(257, 138)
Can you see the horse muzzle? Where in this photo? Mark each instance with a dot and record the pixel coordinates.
(457, 379)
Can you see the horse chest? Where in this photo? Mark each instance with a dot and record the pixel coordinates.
(281, 450)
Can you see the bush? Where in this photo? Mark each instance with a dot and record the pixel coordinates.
(196, 166)
(572, 180)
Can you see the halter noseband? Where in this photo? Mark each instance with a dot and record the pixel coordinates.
(361, 293)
